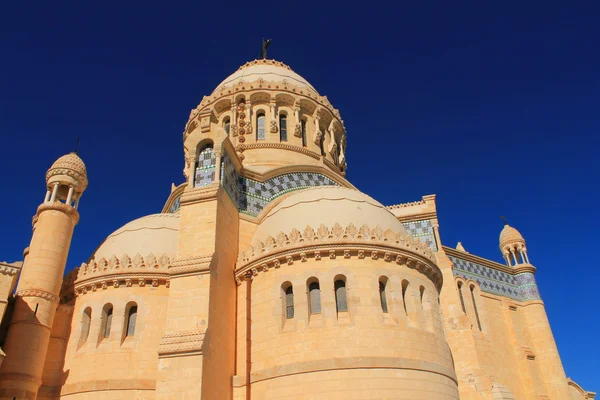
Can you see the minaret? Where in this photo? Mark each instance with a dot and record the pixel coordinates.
(39, 285)
(544, 363)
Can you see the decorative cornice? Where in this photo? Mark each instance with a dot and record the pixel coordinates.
(181, 342)
(198, 194)
(190, 265)
(350, 242)
(9, 269)
(405, 205)
(278, 146)
(101, 273)
(37, 293)
(522, 268)
(478, 260)
(62, 207)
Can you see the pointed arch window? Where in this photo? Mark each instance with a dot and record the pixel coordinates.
(260, 126)
(283, 127)
(404, 289)
(382, 297)
(341, 302)
(205, 167)
(314, 297)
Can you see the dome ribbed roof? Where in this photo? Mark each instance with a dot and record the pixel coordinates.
(510, 234)
(268, 70)
(71, 165)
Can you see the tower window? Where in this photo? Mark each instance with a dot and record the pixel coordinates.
(382, 298)
(314, 296)
(322, 145)
(226, 125)
(288, 300)
(283, 127)
(86, 320)
(107, 314)
(404, 289)
(303, 132)
(205, 167)
(341, 302)
(260, 126)
(131, 319)
(475, 306)
(462, 300)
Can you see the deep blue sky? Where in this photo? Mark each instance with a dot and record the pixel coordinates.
(493, 107)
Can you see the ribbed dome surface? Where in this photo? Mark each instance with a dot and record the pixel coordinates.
(326, 205)
(156, 233)
(510, 234)
(268, 70)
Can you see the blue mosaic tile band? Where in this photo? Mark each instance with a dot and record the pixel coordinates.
(252, 196)
(520, 287)
(205, 168)
(422, 230)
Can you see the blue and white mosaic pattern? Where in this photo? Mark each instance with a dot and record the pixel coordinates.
(252, 196)
(422, 230)
(520, 287)
(205, 168)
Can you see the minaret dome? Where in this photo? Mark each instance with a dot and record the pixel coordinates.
(512, 246)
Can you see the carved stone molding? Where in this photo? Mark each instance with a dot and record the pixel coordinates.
(198, 194)
(37, 293)
(62, 207)
(8, 269)
(190, 265)
(279, 146)
(149, 280)
(181, 343)
(363, 242)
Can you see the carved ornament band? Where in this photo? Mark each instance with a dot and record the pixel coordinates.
(62, 207)
(37, 293)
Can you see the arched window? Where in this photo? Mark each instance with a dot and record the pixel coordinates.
(227, 125)
(86, 320)
(421, 292)
(341, 302)
(382, 298)
(205, 167)
(314, 297)
(475, 306)
(303, 132)
(283, 127)
(260, 126)
(288, 300)
(462, 299)
(130, 319)
(107, 314)
(404, 289)
(322, 145)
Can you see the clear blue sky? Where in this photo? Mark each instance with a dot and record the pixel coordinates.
(493, 107)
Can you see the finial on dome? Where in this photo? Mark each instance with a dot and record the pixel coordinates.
(265, 45)
(503, 218)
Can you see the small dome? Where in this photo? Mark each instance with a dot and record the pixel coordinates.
(326, 205)
(156, 234)
(68, 169)
(268, 70)
(510, 234)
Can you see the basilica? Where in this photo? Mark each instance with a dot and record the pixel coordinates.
(268, 275)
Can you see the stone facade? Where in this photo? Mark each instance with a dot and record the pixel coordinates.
(268, 275)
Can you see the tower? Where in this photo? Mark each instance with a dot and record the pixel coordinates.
(38, 289)
(542, 360)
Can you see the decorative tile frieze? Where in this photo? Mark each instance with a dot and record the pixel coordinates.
(252, 196)
(520, 287)
(422, 230)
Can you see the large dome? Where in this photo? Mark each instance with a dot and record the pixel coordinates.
(268, 70)
(328, 206)
(156, 234)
